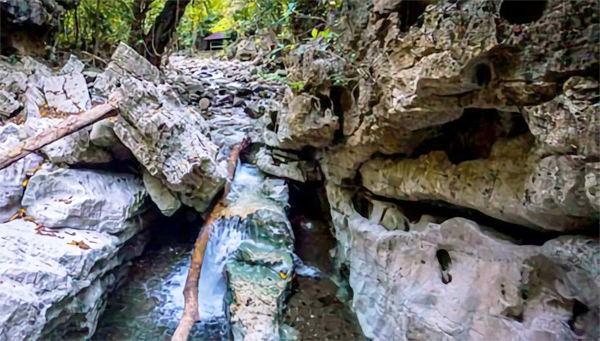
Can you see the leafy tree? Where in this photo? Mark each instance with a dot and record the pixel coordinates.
(153, 26)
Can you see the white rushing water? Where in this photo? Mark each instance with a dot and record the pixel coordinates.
(224, 240)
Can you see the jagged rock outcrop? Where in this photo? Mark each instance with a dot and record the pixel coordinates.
(306, 123)
(170, 141)
(421, 65)
(168, 138)
(488, 105)
(569, 123)
(28, 24)
(124, 62)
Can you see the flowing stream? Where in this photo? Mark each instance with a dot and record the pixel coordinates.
(149, 303)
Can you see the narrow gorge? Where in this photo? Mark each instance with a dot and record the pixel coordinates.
(425, 170)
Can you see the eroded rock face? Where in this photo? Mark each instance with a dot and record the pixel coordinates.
(306, 123)
(569, 124)
(510, 184)
(451, 279)
(422, 65)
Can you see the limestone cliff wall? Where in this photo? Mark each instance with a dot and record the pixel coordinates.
(482, 105)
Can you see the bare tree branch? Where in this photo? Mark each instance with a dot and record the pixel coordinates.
(190, 291)
(67, 127)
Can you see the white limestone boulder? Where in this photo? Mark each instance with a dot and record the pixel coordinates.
(73, 65)
(164, 199)
(84, 199)
(124, 61)
(282, 167)
(170, 140)
(51, 289)
(67, 93)
(489, 288)
(12, 177)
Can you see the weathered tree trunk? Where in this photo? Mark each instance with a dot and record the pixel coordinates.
(76, 28)
(98, 19)
(136, 36)
(190, 291)
(162, 30)
(67, 127)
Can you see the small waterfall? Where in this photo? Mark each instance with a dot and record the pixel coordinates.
(247, 191)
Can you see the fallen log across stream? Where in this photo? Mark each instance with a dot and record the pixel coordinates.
(70, 125)
(190, 291)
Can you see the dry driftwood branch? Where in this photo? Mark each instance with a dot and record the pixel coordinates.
(67, 127)
(190, 291)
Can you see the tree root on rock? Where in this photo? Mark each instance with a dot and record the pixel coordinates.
(190, 291)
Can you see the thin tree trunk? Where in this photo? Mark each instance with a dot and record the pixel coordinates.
(136, 35)
(190, 291)
(76, 27)
(161, 33)
(67, 127)
(97, 34)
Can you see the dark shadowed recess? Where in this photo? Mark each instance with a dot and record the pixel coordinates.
(308, 205)
(442, 211)
(472, 136)
(313, 307)
(522, 12)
